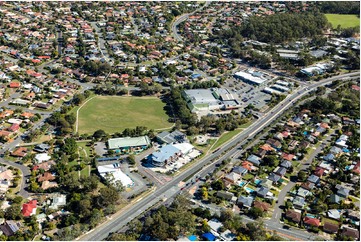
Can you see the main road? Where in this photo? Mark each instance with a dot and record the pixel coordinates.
(172, 188)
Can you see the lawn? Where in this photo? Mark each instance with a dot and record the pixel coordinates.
(83, 147)
(225, 137)
(345, 20)
(114, 114)
(85, 172)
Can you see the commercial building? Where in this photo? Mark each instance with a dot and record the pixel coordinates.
(129, 144)
(317, 69)
(113, 173)
(252, 77)
(169, 138)
(210, 99)
(288, 54)
(170, 153)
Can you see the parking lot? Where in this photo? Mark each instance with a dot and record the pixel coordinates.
(248, 94)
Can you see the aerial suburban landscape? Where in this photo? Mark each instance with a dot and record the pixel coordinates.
(180, 121)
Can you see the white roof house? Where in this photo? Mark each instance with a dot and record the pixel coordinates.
(59, 200)
(42, 157)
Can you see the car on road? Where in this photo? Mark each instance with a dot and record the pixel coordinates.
(286, 227)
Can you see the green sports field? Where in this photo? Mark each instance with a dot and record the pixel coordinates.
(345, 20)
(114, 114)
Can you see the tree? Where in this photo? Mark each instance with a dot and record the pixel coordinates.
(255, 212)
(13, 212)
(204, 193)
(107, 196)
(70, 146)
(131, 159)
(90, 183)
(99, 134)
(218, 185)
(302, 175)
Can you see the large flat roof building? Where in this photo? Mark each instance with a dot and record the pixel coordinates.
(114, 170)
(129, 142)
(251, 77)
(210, 99)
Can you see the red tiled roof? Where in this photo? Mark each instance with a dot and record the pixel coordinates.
(15, 84)
(319, 171)
(355, 87)
(288, 157)
(312, 221)
(28, 208)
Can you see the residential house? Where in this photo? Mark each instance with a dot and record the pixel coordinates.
(335, 150)
(58, 201)
(266, 183)
(298, 202)
(308, 221)
(274, 177)
(232, 177)
(10, 227)
(319, 171)
(45, 165)
(281, 171)
(334, 214)
(40, 158)
(288, 157)
(225, 195)
(293, 216)
(254, 160)
(262, 192)
(274, 143)
(240, 170)
(308, 185)
(331, 228)
(29, 208)
(249, 166)
(20, 152)
(347, 121)
(350, 232)
(14, 128)
(302, 192)
(342, 191)
(286, 164)
(293, 144)
(245, 202)
(47, 176)
(262, 205)
(41, 148)
(261, 153)
(313, 178)
(48, 184)
(335, 199)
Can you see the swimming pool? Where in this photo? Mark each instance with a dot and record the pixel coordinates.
(249, 190)
(242, 183)
(257, 181)
(310, 215)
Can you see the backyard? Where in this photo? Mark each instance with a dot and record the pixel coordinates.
(114, 114)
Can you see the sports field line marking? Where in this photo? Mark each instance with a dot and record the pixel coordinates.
(77, 114)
